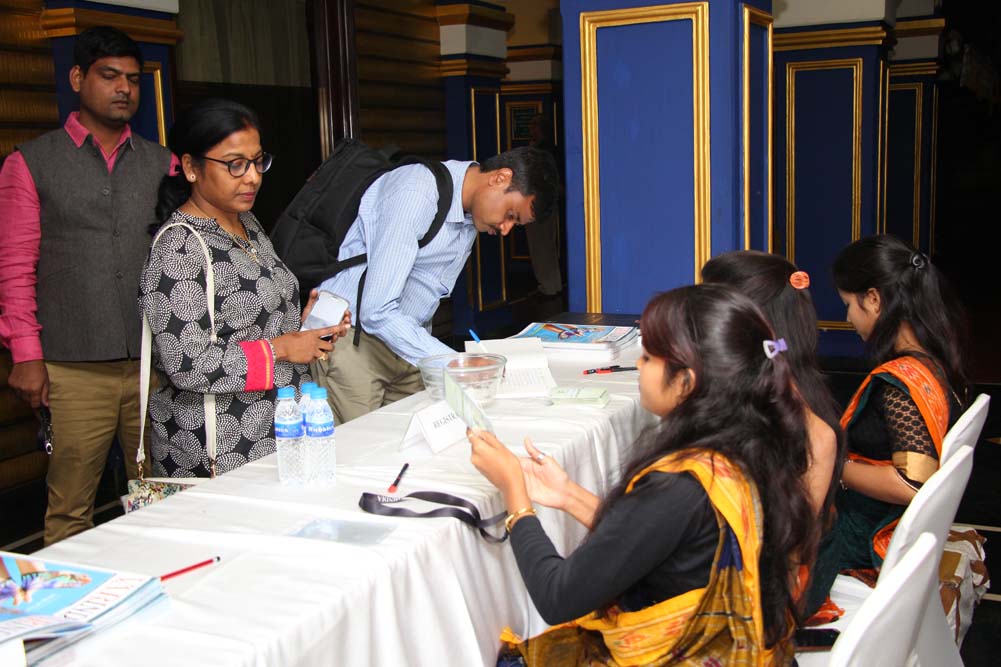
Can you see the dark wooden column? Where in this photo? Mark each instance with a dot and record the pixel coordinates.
(331, 27)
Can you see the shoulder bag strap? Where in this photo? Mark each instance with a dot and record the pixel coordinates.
(146, 359)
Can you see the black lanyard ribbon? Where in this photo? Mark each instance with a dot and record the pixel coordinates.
(377, 504)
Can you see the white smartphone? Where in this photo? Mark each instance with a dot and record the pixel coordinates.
(328, 311)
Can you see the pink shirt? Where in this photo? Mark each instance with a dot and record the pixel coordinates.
(20, 237)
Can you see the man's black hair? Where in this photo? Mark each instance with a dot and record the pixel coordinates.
(534, 175)
(104, 42)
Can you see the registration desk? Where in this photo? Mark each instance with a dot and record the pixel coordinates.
(429, 592)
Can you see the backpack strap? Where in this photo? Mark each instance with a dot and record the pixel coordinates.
(443, 179)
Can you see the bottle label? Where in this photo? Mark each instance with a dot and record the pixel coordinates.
(319, 429)
(288, 429)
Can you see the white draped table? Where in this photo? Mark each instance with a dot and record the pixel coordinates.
(432, 592)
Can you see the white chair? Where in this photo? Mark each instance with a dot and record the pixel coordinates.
(884, 630)
(931, 511)
(966, 431)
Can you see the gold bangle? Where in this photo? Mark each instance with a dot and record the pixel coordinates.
(513, 517)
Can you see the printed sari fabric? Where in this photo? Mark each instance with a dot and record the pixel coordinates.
(923, 387)
(864, 526)
(720, 624)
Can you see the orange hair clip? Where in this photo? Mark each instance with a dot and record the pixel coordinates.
(800, 280)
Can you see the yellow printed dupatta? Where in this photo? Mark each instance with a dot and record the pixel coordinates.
(720, 624)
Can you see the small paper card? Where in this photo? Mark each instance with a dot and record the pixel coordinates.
(465, 406)
(437, 426)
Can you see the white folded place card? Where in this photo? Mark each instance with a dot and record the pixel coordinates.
(437, 426)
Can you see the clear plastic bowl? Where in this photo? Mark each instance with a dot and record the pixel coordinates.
(478, 373)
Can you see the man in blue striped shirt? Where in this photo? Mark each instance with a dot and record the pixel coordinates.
(403, 283)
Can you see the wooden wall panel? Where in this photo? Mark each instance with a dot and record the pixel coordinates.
(401, 96)
(27, 75)
(27, 109)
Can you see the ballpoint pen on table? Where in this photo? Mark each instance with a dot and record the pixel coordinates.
(392, 487)
(609, 369)
(185, 570)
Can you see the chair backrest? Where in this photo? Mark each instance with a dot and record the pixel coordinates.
(966, 431)
(932, 509)
(885, 628)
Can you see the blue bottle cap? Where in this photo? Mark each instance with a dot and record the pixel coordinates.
(318, 393)
(307, 388)
(286, 392)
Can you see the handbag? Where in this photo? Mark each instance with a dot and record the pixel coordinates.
(146, 491)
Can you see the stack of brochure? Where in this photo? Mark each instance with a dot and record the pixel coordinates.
(603, 341)
(49, 605)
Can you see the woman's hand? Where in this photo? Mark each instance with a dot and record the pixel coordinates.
(546, 481)
(499, 465)
(313, 296)
(302, 347)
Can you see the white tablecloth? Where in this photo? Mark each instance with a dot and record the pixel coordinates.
(431, 593)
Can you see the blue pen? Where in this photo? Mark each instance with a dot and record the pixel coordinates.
(473, 334)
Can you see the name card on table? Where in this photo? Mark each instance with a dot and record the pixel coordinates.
(437, 426)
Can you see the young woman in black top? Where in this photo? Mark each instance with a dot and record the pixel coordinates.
(711, 519)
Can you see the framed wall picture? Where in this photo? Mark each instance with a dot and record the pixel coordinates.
(519, 116)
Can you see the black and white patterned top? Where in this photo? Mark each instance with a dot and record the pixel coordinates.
(252, 302)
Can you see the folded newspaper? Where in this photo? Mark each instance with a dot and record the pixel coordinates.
(50, 604)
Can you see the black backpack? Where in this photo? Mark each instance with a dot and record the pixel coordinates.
(309, 232)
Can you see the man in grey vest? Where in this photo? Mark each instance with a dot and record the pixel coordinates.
(75, 205)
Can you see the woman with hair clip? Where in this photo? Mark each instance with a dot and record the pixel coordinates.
(901, 306)
(782, 292)
(697, 544)
(255, 344)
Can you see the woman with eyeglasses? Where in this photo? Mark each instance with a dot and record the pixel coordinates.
(254, 345)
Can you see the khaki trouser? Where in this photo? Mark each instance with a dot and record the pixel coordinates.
(91, 402)
(364, 378)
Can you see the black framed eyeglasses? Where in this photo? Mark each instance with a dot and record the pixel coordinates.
(238, 166)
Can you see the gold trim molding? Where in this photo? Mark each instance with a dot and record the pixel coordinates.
(526, 53)
(855, 65)
(919, 27)
(934, 160)
(755, 16)
(918, 89)
(590, 22)
(527, 88)
(827, 39)
(490, 69)
(474, 15)
(881, 134)
(834, 325)
(156, 69)
(479, 263)
(70, 21)
(923, 68)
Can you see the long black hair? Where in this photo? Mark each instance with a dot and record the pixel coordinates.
(194, 133)
(744, 406)
(765, 278)
(912, 290)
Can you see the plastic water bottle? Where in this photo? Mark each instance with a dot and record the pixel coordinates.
(305, 400)
(289, 439)
(320, 438)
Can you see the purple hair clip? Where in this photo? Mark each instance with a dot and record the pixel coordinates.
(773, 347)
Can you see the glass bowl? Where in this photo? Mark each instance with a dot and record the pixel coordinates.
(478, 373)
